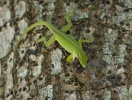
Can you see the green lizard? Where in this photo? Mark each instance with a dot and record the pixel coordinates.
(65, 40)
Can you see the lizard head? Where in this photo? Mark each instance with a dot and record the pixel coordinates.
(83, 59)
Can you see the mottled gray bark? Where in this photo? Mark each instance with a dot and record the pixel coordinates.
(42, 73)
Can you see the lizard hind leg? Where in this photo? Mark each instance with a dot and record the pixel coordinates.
(68, 26)
(47, 43)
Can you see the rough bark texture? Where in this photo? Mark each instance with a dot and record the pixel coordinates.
(42, 73)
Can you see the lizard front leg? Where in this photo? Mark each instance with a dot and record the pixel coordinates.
(80, 41)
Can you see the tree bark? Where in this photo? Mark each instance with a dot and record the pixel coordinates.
(42, 73)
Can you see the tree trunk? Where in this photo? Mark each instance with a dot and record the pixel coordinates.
(41, 73)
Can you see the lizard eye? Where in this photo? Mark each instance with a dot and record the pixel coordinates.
(79, 55)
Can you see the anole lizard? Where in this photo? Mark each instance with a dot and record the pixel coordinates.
(65, 40)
